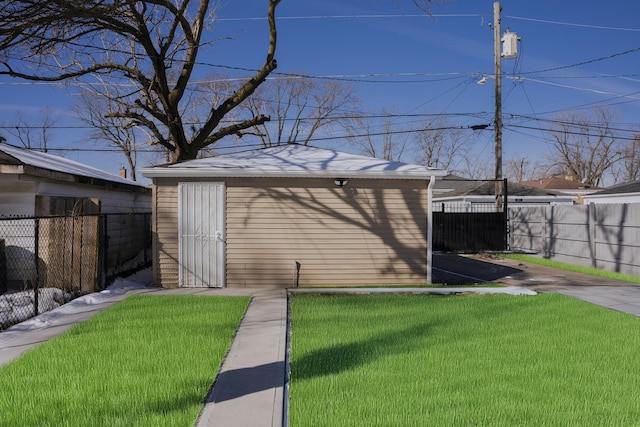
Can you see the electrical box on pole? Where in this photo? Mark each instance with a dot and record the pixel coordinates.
(509, 45)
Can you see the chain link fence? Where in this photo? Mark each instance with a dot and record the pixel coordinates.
(46, 262)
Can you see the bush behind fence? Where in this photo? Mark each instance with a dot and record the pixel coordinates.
(48, 261)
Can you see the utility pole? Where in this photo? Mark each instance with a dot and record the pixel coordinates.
(498, 102)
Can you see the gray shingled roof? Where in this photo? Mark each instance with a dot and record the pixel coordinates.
(627, 187)
(487, 188)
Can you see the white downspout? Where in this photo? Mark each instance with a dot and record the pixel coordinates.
(432, 181)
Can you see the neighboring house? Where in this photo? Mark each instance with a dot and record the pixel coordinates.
(479, 196)
(450, 183)
(39, 184)
(628, 192)
(52, 252)
(564, 185)
(288, 216)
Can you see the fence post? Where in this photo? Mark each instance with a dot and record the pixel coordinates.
(79, 220)
(592, 223)
(36, 286)
(505, 207)
(546, 213)
(3, 268)
(105, 248)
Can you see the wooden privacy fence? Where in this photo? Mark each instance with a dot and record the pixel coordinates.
(605, 236)
(47, 261)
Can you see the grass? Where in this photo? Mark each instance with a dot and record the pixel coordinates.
(147, 361)
(493, 360)
(573, 267)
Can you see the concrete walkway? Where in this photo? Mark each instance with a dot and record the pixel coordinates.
(250, 387)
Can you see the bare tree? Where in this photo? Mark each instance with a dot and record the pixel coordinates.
(152, 45)
(32, 133)
(524, 169)
(300, 107)
(116, 132)
(475, 166)
(441, 144)
(628, 168)
(384, 140)
(584, 146)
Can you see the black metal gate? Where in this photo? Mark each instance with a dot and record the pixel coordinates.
(472, 226)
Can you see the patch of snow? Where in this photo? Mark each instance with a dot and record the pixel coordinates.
(295, 161)
(54, 298)
(141, 279)
(19, 306)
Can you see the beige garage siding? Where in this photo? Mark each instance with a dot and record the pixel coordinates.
(165, 233)
(370, 232)
(363, 234)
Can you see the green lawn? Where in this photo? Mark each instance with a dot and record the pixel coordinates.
(573, 267)
(493, 360)
(147, 361)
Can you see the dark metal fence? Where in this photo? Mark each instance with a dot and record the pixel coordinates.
(469, 232)
(472, 218)
(46, 262)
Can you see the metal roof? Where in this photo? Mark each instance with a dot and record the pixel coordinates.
(16, 156)
(293, 161)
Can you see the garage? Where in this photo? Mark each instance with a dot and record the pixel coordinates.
(291, 216)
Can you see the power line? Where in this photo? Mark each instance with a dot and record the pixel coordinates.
(365, 16)
(345, 116)
(570, 124)
(591, 61)
(568, 132)
(571, 24)
(425, 15)
(599, 92)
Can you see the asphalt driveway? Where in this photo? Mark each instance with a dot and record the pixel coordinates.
(457, 270)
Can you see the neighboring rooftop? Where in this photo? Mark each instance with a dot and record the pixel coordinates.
(451, 182)
(558, 183)
(18, 158)
(624, 188)
(486, 188)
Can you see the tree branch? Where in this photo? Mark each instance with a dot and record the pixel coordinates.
(236, 128)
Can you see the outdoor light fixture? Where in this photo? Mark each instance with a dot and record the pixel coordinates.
(340, 182)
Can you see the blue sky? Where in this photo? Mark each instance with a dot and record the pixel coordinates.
(432, 63)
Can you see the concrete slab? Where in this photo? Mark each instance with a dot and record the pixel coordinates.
(448, 290)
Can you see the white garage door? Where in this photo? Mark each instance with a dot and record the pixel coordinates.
(201, 231)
